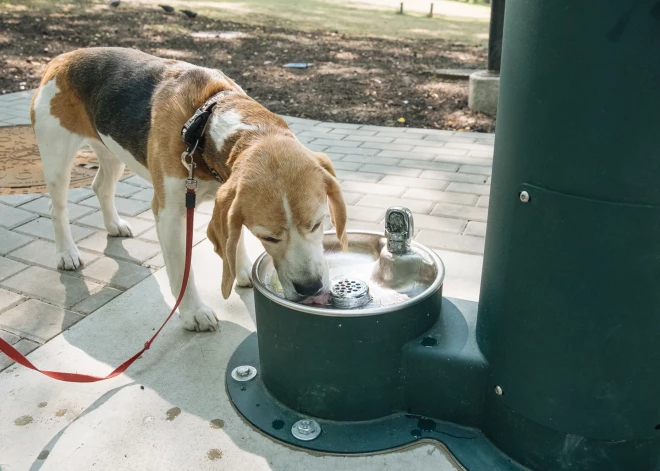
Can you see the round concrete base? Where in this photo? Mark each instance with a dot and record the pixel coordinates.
(483, 92)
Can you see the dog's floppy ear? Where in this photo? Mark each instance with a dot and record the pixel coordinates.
(335, 199)
(224, 231)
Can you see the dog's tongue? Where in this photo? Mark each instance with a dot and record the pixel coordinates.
(322, 299)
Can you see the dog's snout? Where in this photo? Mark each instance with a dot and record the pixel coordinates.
(308, 289)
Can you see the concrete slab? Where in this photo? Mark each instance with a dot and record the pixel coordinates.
(95, 301)
(42, 252)
(125, 206)
(11, 241)
(8, 337)
(8, 299)
(43, 228)
(55, 288)
(131, 250)
(146, 194)
(115, 272)
(79, 194)
(41, 206)
(156, 262)
(11, 217)
(17, 200)
(37, 321)
(96, 220)
(9, 267)
(167, 425)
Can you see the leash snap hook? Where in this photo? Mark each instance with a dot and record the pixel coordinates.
(191, 182)
(189, 164)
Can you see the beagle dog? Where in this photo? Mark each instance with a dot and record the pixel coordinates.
(131, 108)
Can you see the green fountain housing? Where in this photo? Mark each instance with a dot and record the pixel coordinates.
(558, 366)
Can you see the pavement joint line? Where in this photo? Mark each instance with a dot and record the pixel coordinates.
(43, 300)
(27, 265)
(15, 303)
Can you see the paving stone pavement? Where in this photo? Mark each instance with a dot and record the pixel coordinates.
(442, 176)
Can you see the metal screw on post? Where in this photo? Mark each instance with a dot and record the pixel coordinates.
(244, 373)
(306, 429)
(498, 390)
(524, 197)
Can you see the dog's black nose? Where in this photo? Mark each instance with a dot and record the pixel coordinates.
(308, 289)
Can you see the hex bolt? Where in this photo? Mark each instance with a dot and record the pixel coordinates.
(524, 197)
(244, 373)
(498, 390)
(306, 429)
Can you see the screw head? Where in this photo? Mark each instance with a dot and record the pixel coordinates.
(498, 390)
(306, 430)
(306, 427)
(524, 197)
(244, 373)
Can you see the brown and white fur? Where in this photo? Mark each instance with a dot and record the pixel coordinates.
(130, 107)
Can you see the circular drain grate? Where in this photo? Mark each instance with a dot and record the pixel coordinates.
(349, 293)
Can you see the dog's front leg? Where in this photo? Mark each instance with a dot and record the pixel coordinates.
(171, 227)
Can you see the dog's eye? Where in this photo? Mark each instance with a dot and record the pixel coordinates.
(272, 240)
(316, 226)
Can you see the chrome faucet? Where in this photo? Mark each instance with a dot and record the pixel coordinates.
(399, 264)
(399, 229)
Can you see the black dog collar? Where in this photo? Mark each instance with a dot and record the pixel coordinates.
(192, 132)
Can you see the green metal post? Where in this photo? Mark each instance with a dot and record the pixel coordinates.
(569, 314)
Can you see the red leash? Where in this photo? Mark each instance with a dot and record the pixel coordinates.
(18, 357)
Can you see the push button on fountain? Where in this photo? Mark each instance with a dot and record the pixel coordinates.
(349, 293)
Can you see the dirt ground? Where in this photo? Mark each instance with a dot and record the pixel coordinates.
(354, 79)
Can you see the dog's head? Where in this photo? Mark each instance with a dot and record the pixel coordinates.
(281, 191)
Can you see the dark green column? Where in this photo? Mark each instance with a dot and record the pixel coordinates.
(569, 315)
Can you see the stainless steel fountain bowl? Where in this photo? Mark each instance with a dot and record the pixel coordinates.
(366, 280)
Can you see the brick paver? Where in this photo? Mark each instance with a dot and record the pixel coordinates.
(37, 321)
(11, 217)
(11, 241)
(43, 228)
(8, 299)
(58, 289)
(41, 207)
(442, 176)
(42, 253)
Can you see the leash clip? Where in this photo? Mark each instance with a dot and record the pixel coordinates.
(191, 182)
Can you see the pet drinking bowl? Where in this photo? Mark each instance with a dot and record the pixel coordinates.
(341, 360)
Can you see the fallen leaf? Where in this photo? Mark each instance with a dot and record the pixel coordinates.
(401, 120)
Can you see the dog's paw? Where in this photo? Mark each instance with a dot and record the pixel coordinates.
(68, 259)
(200, 320)
(119, 228)
(244, 278)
